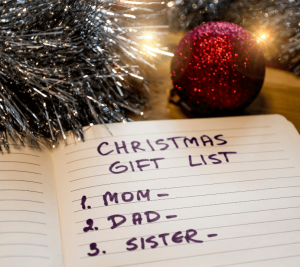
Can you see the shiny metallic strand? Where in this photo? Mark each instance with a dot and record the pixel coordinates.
(275, 23)
(187, 14)
(67, 64)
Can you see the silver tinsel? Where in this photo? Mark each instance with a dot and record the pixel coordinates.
(187, 14)
(67, 64)
(275, 23)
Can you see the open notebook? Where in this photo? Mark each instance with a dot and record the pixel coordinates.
(198, 192)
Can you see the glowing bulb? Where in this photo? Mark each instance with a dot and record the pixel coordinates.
(170, 4)
(263, 36)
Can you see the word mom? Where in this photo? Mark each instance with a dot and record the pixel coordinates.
(125, 197)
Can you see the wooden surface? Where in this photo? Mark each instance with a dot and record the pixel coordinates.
(280, 95)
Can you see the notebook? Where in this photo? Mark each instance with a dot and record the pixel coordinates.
(196, 192)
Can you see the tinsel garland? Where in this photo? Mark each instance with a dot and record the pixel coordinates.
(67, 64)
(186, 14)
(275, 23)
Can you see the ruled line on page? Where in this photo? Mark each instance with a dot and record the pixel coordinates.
(13, 180)
(223, 193)
(25, 154)
(28, 200)
(269, 259)
(34, 211)
(207, 205)
(21, 190)
(200, 229)
(292, 167)
(29, 233)
(177, 177)
(215, 253)
(165, 188)
(182, 157)
(193, 218)
(20, 171)
(179, 148)
(194, 131)
(211, 240)
(22, 222)
(22, 162)
(24, 244)
(82, 188)
(202, 184)
(24, 256)
(209, 164)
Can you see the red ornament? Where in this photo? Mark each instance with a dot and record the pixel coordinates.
(218, 67)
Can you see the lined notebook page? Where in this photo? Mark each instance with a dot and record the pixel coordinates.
(29, 224)
(151, 195)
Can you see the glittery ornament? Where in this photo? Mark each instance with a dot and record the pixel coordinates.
(218, 67)
(275, 24)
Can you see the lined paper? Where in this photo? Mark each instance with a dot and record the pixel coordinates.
(29, 224)
(233, 200)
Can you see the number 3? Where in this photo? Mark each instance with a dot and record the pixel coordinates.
(93, 246)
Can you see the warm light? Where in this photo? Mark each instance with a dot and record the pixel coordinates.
(262, 37)
(158, 51)
(170, 4)
(129, 16)
(148, 36)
